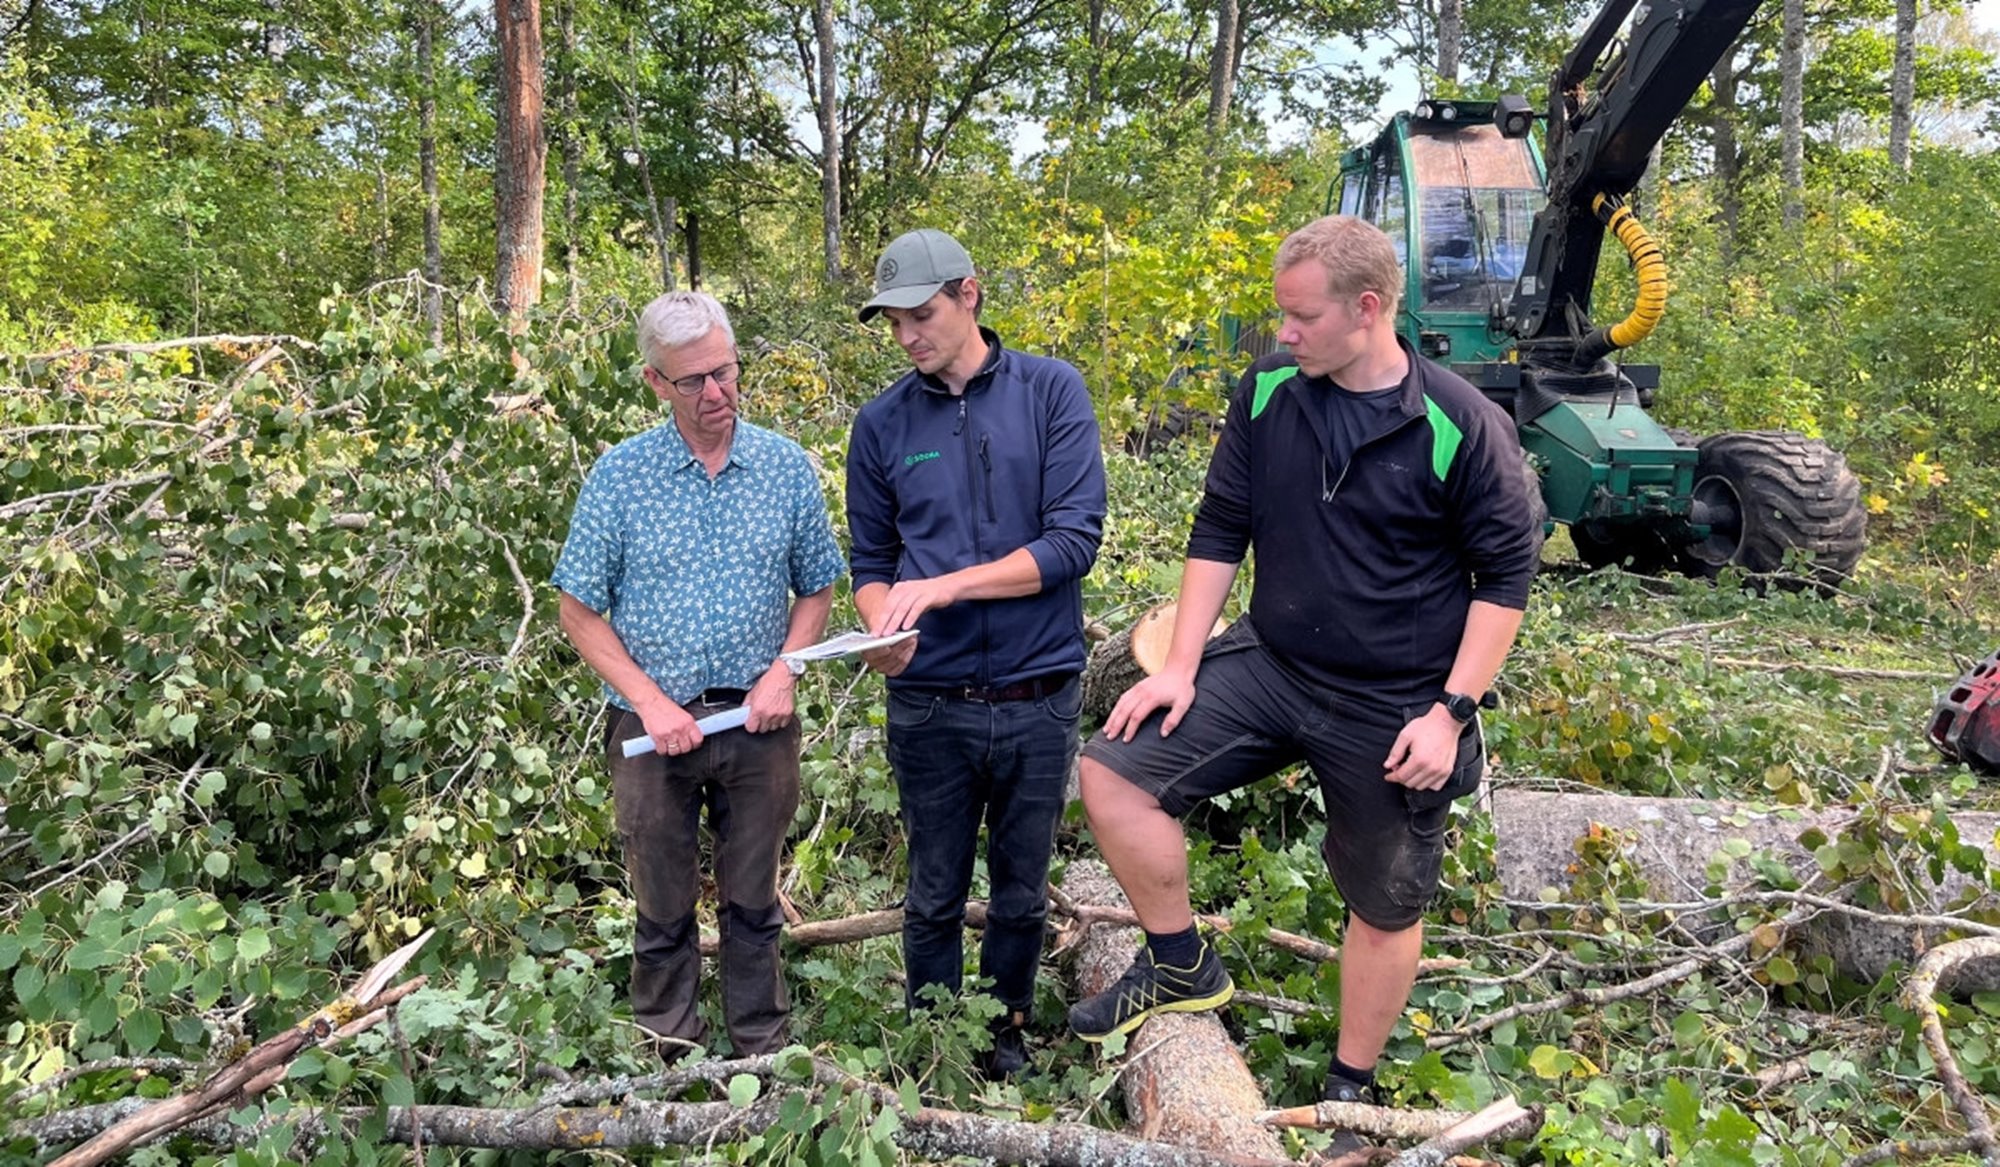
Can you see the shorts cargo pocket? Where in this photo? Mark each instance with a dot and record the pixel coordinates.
(1412, 876)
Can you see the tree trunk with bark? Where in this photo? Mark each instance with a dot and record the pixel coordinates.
(427, 20)
(1184, 1081)
(829, 138)
(1903, 85)
(566, 138)
(1671, 841)
(1791, 111)
(1222, 69)
(1451, 39)
(520, 171)
(658, 219)
(1723, 82)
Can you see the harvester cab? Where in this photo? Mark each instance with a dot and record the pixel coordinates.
(1500, 236)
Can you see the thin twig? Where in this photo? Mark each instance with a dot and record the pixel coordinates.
(527, 594)
(42, 502)
(1604, 995)
(157, 346)
(65, 1077)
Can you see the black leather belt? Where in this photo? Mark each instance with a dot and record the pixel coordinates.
(1032, 689)
(720, 697)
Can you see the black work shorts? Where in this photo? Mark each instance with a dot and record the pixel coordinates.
(1252, 717)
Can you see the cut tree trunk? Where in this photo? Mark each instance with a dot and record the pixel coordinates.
(1184, 1081)
(1672, 841)
(1128, 657)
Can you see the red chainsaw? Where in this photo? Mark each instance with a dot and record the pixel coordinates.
(1965, 723)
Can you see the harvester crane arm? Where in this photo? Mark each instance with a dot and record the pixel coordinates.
(1605, 115)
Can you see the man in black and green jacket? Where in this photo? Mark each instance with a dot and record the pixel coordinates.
(1385, 501)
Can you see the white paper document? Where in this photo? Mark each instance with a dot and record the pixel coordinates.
(847, 644)
(713, 723)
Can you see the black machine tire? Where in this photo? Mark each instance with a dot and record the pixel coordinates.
(1767, 492)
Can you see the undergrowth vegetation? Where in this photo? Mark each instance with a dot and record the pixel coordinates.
(280, 688)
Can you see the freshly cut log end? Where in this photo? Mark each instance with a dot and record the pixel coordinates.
(1127, 657)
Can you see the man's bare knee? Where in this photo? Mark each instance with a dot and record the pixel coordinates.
(1109, 794)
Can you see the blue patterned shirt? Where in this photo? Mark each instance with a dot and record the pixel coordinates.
(697, 574)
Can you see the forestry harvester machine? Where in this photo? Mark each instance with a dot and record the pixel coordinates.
(1500, 242)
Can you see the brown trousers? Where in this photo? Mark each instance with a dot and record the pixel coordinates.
(749, 784)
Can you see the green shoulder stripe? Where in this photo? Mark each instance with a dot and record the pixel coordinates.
(1445, 437)
(1267, 384)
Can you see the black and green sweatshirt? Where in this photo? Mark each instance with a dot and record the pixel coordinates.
(1364, 571)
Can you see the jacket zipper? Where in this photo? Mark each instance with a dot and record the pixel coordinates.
(978, 548)
(986, 460)
(1326, 493)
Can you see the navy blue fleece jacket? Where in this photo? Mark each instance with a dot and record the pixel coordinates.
(936, 483)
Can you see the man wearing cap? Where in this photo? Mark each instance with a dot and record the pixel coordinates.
(699, 550)
(975, 499)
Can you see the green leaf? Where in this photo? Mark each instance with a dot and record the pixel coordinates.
(142, 1030)
(10, 950)
(744, 1089)
(91, 952)
(28, 982)
(1781, 971)
(254, 944)
(1681, 1110)
(216, 863)
(1548, 1062)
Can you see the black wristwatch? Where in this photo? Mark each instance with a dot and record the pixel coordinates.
(1462, 708)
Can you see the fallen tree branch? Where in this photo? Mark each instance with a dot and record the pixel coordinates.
(1678, 630)
(257, 1070)
(929, 1133)
(1845, 672)
(1605, 994)
(103, 490)
(1919, 995)
(521, 585)
(1909, 1149)
(59, 1080)
(158, 346)
(1500, 1119)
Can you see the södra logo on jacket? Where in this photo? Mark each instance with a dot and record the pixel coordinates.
(926, 456)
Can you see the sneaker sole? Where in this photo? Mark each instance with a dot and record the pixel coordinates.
(1191, 1005)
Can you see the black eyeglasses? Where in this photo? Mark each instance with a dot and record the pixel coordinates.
(723, 375)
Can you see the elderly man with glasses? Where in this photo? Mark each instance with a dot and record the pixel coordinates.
(698, 552)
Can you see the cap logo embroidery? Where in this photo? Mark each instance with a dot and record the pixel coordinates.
(885, 271)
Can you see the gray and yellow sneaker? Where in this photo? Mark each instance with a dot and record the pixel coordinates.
(1148, 988)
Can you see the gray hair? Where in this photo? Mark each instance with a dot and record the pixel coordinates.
(679, 318)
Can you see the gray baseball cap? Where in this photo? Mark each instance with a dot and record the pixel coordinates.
(913, 268)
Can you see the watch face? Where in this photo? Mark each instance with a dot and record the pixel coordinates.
(1461, 707)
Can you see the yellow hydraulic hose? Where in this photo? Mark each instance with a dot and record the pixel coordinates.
(1649, 264)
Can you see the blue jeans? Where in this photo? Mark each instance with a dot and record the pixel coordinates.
(958, 763)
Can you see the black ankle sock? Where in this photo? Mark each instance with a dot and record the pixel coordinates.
(1175, 949)
(1358, 1077)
